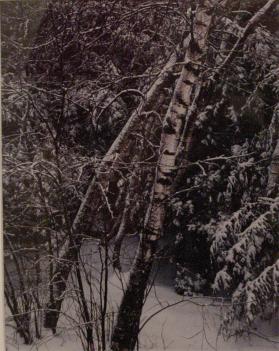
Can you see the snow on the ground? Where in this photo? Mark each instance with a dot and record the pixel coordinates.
(187, 324)
(191, 325)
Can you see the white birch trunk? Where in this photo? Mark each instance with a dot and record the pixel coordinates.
(127, 327)
(175, 118)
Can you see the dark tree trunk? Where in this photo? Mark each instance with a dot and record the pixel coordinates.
(59, 286)
(126, 332)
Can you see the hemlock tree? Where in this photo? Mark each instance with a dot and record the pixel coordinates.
(246, 248)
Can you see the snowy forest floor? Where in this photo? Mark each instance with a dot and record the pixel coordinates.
(182, 323)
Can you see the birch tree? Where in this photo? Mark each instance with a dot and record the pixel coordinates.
(248, 244)
(183, 101)
(127, 326)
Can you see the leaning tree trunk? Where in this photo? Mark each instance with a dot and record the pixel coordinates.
(127, 326)
(178, 125)
(83, 220)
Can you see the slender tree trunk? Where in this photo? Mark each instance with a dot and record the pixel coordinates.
(21, 317)
(127, 326)
(85, 311)
(59, 284)
(121, 234)
(126, 331)
(125, 217)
